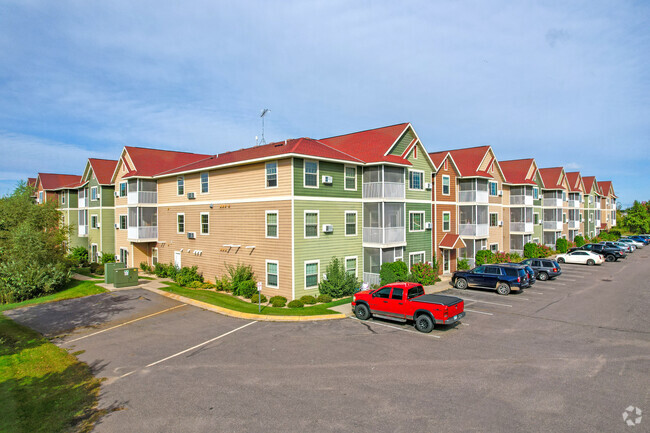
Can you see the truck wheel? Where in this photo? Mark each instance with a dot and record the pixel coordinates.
(503, 288)
(543, 276)
(590, 262)
(362, 312)
(424, 323)
(610, 258)
(461, 283)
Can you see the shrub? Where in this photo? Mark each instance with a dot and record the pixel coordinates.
(338, 283)
(514, 258)
(296, 303)
(165, 271)
(246, 289)
(324, 299)
(107, 258)
(393, 272)
(195, 285)
(207, 286)
(79, 256)
(240, 280)
(19, 283)
(308, 300)
(562, 245)
(256, 298)
(222, 285)
(483, 257)
(579, 240)
(424, 274)
(278, 301)
(530, 250)
(462, 264)
(185, 276)
(97, 268)
(146, 268)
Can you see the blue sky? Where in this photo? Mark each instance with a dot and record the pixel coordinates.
(567, 83)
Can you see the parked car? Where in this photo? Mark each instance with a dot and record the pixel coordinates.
(638, 238)
(546, 268)
(407, 301)
(532, 273)
(610, 254)
(632, 241)
(499, 277)
(625, 247)
(583, 257)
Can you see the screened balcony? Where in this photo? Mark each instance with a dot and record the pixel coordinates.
(517, 243)
(521, 195)
(473, 220)
(574, 219)
(142, 191)
(373, 258)
(471, 247)
(143, 223)
(383, 223)
(521, 219)
(574, 199)
(550, 238)
(82, 200)
(552, 219)
(473, 190)
(383, 182)
(552, 199)
(82, 227)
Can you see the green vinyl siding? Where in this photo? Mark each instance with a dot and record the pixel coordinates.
(327, 245)
(108, 196)
(418, 241)
(403, 143)
(325, 168)
(420, 164)
(538, 232)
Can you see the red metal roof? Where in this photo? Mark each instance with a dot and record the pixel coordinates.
(551, 177)
(149, 162)
(515, 171)
(103, 169)
(451, 242)
(52, 181)
(574, 179)
(468, 161)
(606, 187)
(31, 181)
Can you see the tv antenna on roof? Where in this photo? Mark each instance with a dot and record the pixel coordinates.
(264, 113)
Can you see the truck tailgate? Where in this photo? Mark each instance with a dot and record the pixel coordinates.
(453, 303)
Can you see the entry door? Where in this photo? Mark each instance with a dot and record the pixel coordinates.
(445, 261)
(177, 259)
(124, 256)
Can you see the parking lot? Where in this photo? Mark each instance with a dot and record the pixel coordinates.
(565, 355)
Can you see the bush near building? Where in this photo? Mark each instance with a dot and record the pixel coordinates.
(561, 245)
(534, 251)
(339, 283)
(579, 240)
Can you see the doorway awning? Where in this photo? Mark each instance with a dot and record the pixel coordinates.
(451, 242)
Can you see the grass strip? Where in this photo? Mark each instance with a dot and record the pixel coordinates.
(236, 304)
(74, 289)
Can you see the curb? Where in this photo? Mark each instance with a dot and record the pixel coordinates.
(248, 316)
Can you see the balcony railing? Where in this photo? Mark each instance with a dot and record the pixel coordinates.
(526, 200)
(574, 225)
(552, 202)
(380, 235)
(83, 230)
(597, 204)
(553, 225)
(521, 227)
(371, 278)
(142, 233)
(473, 196)
(574, 203)
(474, 229)
(82, 202)
(142, 197)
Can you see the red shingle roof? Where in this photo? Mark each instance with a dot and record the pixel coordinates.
(468, 161)
(52, 181)
(103, 169)
(551, 177)
(438, 157)
(574, 181)
(31, 181)
(590, 184)
(606, 187)
(515, 171)
(149, 162)
(451, 242)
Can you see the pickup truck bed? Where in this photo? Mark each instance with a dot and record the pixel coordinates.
(438, 299)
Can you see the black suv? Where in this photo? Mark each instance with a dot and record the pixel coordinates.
(532, 274)
(501, 278)
(546, 268)
(610, 254)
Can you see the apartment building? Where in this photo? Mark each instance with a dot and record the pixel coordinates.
(592, 204)
(554, 205)
(576, 205)
(608, 204)
(521, 183)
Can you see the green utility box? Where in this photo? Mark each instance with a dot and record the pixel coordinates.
(108, 271)
(125, 277)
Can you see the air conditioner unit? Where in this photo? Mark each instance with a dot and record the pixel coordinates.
(428, 225)
(117, 226)
(500, 223)
(500, 193)
(191, 235)
(98, 225)
(428, 185)
(191, 195)
(328, 228)
(328, 179)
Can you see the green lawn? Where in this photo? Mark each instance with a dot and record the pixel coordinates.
(232, 303)
(75, 289)
(42, 387)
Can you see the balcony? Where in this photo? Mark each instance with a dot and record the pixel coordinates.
(553, 225)
(83, 230)
(142, 197)
(597, 204)
(149, 233)
(480, 230)
(552, 202)
(574, 203)
(573, 225)
(371, 278)
(524, 227)
(381, 235)
(82, 202)
(526, 200)
(383, 190)
(473, 196)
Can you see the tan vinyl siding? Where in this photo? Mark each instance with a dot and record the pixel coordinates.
(496, 234)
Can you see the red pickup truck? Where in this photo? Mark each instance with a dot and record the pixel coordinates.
(407, 301)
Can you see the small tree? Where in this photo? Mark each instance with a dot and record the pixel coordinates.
(239, 277)
(393, 272)
(483, 257)
(107, 258)
(462, 264)
(562, 245)
(424, 274)
(339, 283)
(579, 240)
(531, 250)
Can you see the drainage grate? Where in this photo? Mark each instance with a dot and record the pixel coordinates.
(607, 279)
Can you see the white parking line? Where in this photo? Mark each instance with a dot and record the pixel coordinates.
(479, 312)
(487, 302)
(126, 323)
(395, 327)
(568, 279)
(534, 293)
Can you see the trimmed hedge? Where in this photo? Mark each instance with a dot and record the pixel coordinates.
(296, 303)
(308, 300)
(278, 301)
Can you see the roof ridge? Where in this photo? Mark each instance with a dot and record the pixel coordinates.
(162, 150)
(365, 130)
(337, 150)
(185, 165)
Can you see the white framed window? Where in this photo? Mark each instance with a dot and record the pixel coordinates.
(272, 274)
(63, 197)
(416, 221)
(180, 223)
(312, 270)
(40, 196)
(350, 178)
(180, 185)
(154, 256)
(494, 247)
(123, 222)
(311, 174)
(205, 223)
(493, 188)
(416, 179)
(535, 193)
(446, 221)
(93, 221)
(351, 265)
(272, 224)
(446, 182)
(564, 218)
(536, 218)
(350, 223)
(398, 254)
(535, 240)
(94, 253)
(417, 257)
(494, 219)
(271, 175)
(205, 182)
(93, 193)
(311, 223)
(123, 189)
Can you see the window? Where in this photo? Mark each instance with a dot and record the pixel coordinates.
(205, 182)
(272, 274)
(446, 221)
(311, 174)
(93, 193)
(205, 223)
(123, 189)
(311, 224)
(415, 292)
(494, 219)
(397, 293)
(154, 256)
(271, 223)
(350, 178)
(180, 223)
(494, 247)
(493, 188)
(271, 174)
(416, 221)
(63, 198)
(40, 196)
(564, 218)
(94, 253)
(536, 218)
(123, 222)
(351, 266)
(311, 274)
(93, 221)
(535, 193)
(445, 185)
(416, 179)
(180, 185)
(350, 223)
(564, 196)
(416, 258)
